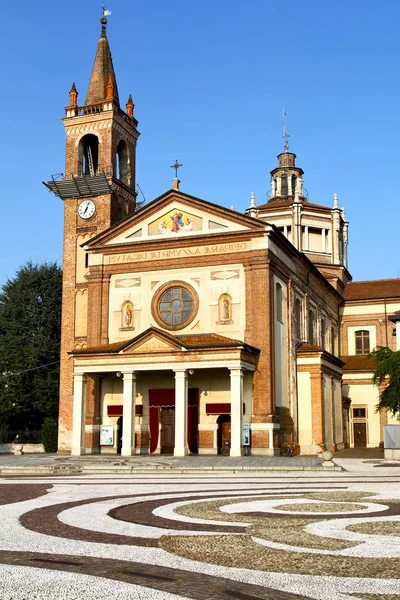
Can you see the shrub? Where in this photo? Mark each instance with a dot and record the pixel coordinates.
(3, 434)
(50, 435)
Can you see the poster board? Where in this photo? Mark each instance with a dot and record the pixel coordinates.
(246, 434)
(106, 435)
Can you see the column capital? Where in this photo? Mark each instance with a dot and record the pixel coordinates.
(128, 374)
(236, 372)
(79, 375)
(180, 373)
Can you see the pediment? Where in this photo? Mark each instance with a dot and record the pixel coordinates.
(176, 216)
(152, 342)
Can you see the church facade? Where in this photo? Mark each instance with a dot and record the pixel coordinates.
(191, 328)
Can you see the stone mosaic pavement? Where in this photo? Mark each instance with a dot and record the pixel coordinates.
(272, 536)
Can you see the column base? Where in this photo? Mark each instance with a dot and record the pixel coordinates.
(128, 452)
(181, 451)
(236, 452)
(77, 451)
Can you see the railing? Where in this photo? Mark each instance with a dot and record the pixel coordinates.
(26, 436)
(107, 171)
(269, 194)
(94, 109)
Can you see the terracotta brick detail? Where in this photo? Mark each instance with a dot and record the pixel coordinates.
(206, 439)
(260, 439)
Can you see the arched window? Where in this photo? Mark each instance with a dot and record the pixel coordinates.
(310, 327)
(284, 185)
(279, 303)
(294, 183)
(333, 346)
(225, 308)
(122, 162)
(127, 315)
(88, 155)
(298, 319)
(362, 342)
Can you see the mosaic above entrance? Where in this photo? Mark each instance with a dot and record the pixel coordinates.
(175, 221)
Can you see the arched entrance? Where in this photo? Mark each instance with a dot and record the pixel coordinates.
(224, 434)
(119, 434)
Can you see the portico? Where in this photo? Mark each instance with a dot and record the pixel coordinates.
(228, 361)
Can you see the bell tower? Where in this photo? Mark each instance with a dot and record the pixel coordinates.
(98, 189)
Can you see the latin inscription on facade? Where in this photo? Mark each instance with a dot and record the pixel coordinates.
(176, 253)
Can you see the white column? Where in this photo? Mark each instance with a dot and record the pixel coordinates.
(273, 188)
(236, 411)
(285, 231)
(128, 423)
(278, 186)
(78, 415)
(323, 240)
(329, 240)
(181, 410)
(289, 185)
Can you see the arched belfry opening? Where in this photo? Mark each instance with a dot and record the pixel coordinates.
(121, 160)
(89, 155)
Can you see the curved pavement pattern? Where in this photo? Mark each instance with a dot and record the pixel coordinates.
(323, 537)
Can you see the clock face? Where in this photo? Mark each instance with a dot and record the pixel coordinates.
(86, 209)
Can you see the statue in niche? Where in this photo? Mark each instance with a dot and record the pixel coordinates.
(127, 315)
(225, 308)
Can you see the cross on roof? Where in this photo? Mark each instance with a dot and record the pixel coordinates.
(176, 167)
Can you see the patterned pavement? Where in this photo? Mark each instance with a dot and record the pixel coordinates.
(306, 535)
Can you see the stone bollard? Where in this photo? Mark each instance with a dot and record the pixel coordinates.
(18, 449)
(327, 456)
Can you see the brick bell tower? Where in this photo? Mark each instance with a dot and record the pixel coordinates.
(98, 189)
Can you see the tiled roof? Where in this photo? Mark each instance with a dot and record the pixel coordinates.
(189, 341)
(358, 363)
(371, 290)
(200, 340)
(309, 348)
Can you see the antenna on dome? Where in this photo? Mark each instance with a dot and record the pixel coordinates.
(285, 133)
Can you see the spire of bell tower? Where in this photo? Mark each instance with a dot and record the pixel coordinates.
(103, 69)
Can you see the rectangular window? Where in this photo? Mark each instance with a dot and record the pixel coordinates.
(362, 342)
(359, 413)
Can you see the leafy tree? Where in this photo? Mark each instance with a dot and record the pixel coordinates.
(30, 329)
(387, 373)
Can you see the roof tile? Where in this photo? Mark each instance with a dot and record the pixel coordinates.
(372, 290)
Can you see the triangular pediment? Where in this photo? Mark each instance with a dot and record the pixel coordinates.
(152, 341)
(175, 216)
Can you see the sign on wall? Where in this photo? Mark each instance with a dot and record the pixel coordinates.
(106, 435)
(246, 434)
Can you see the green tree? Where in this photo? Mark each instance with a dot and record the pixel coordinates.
(30, 329)
(387, 373)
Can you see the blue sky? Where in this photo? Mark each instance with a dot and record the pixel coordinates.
(209, 80)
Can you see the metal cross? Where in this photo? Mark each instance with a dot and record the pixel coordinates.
(176, 167)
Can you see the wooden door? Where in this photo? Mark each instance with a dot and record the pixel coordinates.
(360, 435)
(167, 420)
(226, 438)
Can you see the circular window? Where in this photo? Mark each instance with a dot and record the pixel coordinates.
(175, 305)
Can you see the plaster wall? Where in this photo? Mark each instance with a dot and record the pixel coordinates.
(209, 284)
